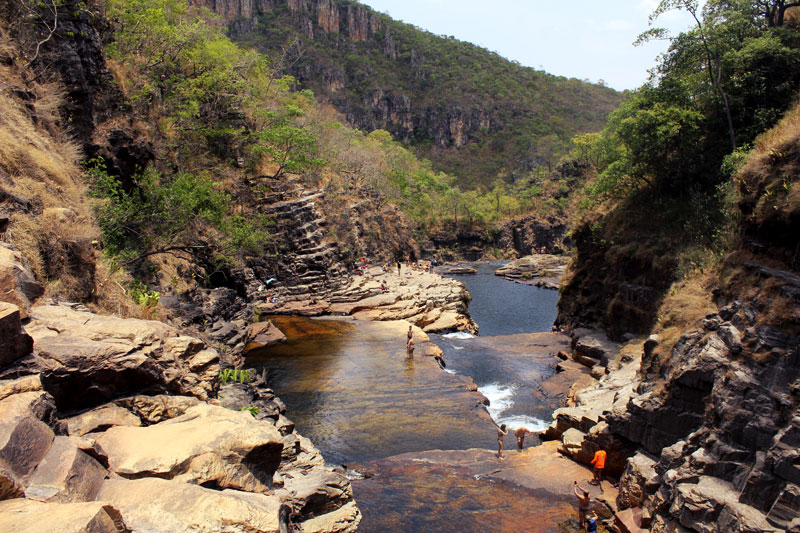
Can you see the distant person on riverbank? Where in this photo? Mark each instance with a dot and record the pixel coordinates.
(598, 464)
(410, 348)
(398, 268)
(583, 503)
(521, 433)
(501, 432)
(591, 523)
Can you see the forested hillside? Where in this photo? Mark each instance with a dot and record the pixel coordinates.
(663, 203)
(474, 114)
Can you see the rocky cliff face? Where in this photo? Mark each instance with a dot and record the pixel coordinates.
(712, 423)
(381, 76)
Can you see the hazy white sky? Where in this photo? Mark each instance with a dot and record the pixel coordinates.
(584, 39)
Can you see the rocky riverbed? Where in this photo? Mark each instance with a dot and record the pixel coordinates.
(111, 424)
(540, 270)
(426, 300)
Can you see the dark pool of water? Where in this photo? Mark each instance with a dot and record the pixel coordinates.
(502, 307)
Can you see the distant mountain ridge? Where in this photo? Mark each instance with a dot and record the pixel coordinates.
(472, 112)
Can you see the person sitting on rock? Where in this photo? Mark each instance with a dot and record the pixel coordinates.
(584, 500)
(501, 432)
(410, 332)
(598, 463)
(521, 433)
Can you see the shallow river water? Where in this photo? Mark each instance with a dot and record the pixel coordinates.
(348, 387)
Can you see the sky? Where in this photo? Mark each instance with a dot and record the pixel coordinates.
(584, 39)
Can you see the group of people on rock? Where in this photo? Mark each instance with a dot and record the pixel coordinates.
(520, 433)
(587, 519)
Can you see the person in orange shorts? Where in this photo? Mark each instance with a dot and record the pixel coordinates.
(598, 464)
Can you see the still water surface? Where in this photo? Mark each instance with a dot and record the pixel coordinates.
(349, 388)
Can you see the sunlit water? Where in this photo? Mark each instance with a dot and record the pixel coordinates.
(501, 307)
(349, 388)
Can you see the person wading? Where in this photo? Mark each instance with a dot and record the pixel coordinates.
(521, 433)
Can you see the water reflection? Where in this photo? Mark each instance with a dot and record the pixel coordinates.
(350, 388)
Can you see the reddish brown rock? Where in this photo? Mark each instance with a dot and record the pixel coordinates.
(14, 342)
(17, 284)
(66, 474)
(28, 516)
(262, 334)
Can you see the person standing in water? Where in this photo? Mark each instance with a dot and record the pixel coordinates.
(410, 348)
(583, 503)
(521, 433)
(501, 432)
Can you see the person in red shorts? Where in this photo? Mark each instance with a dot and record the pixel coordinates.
(598, 464)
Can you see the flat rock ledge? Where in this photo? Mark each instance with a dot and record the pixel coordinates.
(429, 301)
(540, 270)
(113, 425)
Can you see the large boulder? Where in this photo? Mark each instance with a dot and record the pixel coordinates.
(14, 342)
(17, 284)
(209, 445)
(28, 516)
(100, 419)
(262, 334)
(24, 440)
(66, 474)
(106, 357)
(159, 505)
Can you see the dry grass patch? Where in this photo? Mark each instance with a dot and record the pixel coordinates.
(683, 309)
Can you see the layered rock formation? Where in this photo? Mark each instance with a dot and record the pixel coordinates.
(429, 301)
(706, 439)
(109, 424)
(541, 270)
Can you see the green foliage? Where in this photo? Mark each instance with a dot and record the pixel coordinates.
(142, 295)
(160, 214)
(253, 410)
(235, 375)
(721, 83)
(435, 75)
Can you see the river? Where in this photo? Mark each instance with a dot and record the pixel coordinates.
(349, 388)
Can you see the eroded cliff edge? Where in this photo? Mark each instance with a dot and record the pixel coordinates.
(701, 419)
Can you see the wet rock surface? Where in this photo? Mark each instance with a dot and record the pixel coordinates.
(532, 489)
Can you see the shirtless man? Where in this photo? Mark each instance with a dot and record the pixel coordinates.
(583, 503)
(521, 433)
(410, 348)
